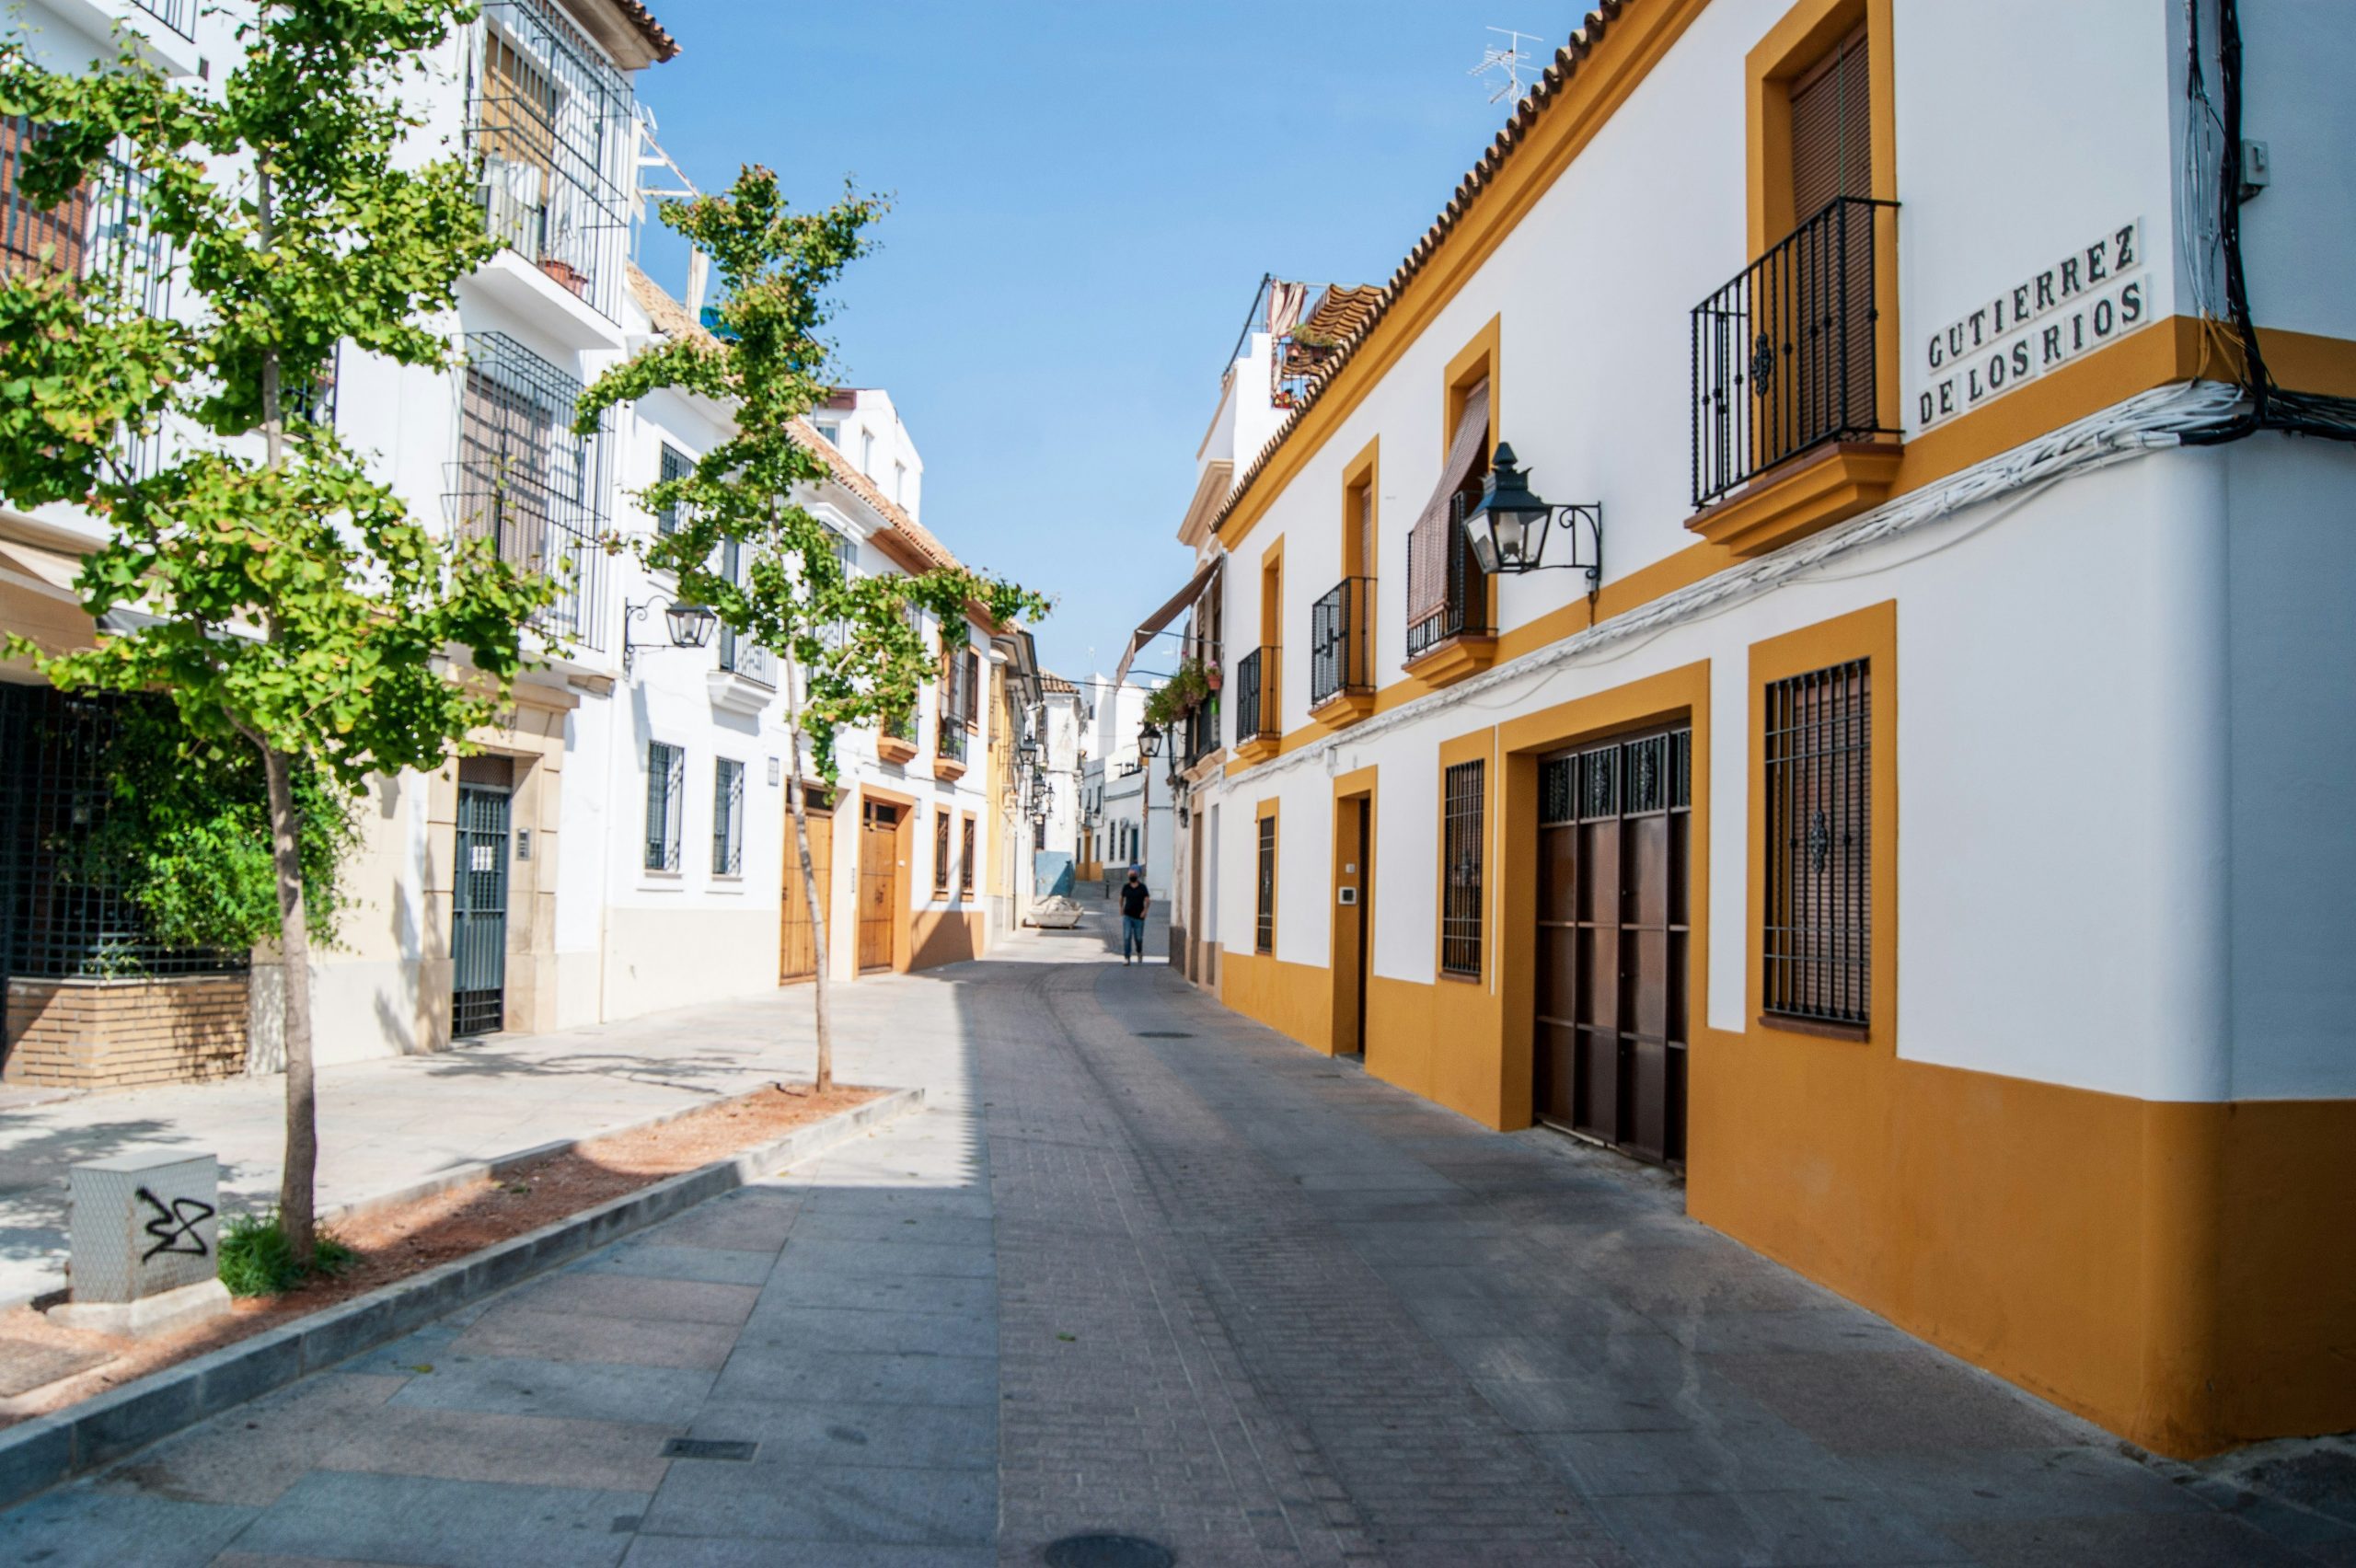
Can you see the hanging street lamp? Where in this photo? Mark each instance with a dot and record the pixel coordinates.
(1148, 740)
(1507, 528)
(690, 626)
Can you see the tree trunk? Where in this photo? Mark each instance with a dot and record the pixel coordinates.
(295, 1197)
(821, 1000)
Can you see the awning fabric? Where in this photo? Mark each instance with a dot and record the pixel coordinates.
(1428, 540)
(46, 571)
(1177, 603)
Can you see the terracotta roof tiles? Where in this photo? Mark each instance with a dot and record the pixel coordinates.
(671, 319)
(1557, 76)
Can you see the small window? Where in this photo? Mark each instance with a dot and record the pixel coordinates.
(1038, 836)
(727, 818)
(965, 861)
(1460, 921)
(940, 852)
(1265, 937)
(1818, 937)
(675, 465)
(667, 783)
(833, 434)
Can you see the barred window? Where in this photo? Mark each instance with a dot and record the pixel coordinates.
(940, 852)
(1463, 806)
(1265, 940)
(965, 861)
(1819, 920)
(667, 783)
(727, 818)
(676, 465)
(524, 480)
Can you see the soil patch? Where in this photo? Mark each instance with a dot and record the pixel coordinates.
(407, 1239)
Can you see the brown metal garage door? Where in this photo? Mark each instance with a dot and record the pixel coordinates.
(1614, 840)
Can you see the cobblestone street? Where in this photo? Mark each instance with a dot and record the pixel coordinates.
(1141, 1267)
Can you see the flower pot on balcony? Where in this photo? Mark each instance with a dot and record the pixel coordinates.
(566, 273)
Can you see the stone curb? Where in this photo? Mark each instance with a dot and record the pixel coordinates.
(440, 1182)
(40, 1454)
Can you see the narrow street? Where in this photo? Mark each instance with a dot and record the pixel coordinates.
(1142, 1267)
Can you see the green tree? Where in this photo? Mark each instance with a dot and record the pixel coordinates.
(286, 601)
(854, 653)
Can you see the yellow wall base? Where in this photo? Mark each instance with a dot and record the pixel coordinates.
(2178, 1273)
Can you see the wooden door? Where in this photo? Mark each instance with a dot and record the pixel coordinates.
(797, 952)
(1614, 840)
(879, 860)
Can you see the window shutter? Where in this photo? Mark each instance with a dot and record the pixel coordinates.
(1833, 130)
(972, 686)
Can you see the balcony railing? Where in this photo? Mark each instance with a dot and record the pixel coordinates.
(1341, 641)
(743, 656)
(1258, 677)
(178, 15)
(524, 481)
(1784, 353)
(1465, 610)
(1202, 730)
(949, 738)
(552, 122)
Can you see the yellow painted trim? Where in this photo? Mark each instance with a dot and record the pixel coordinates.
(1682, 693)
(2163, 353)
(1476, 361)
(1805, 497)
(1363, 473)
(1639, 40)
(1353, 792)
(1481, 746)
(1267, 811)
(1870, 634)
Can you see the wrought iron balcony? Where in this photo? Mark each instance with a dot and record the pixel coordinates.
(1258, 693)
(1341, 641)
(950, 738)
(1465, 610)
(1784, 354)
(1202, 730)
(178, 15)
(743, 656)
(552, 122)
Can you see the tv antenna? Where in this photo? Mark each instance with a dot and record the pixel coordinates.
(1514, 63)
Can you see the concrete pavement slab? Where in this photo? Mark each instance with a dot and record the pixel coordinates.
(79, 1528)
(449, 1523)
(517, 1450)
(586, 1390)
(828, 1503)
(662, 1259)
(516, 1330)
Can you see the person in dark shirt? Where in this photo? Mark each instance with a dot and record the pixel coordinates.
(1135, 902)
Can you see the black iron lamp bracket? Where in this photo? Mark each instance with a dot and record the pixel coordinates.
(633, 613)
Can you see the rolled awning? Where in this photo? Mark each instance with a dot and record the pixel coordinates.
(1428, 541)
(1150, 627)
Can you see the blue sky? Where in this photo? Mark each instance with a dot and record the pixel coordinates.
(1086, 196)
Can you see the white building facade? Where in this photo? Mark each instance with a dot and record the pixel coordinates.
(618, 843)
(1925, 823)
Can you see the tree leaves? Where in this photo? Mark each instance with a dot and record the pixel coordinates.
(862, 657)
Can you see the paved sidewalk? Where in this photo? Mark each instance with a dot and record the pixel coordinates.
(1141, 1267)
(387, 1125)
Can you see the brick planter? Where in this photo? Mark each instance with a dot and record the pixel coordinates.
(119, 1033)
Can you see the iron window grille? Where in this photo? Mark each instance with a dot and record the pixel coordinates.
(1341, 641)
(740, 654)
(59, 917)
(178, 15)
(940, 853)
(1202, 730)
(675, 464)
(966, 859)
(1817, 938)
(552, 122)
(666, 788)
(1463, 826)
(956, 705)
(727, 818)
(1654, 773)
(1256, 675)
(524, 480)
(1263, 938)
(1464, 610)
(1784, 353)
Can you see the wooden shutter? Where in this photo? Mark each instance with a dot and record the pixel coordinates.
(1833, 130)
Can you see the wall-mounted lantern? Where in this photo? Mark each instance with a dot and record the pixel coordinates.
(690, 626)
(1507, 528)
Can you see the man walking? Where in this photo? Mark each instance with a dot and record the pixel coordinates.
(1135, 902)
